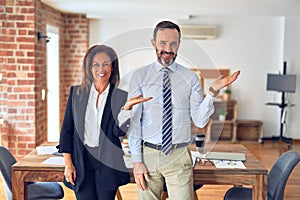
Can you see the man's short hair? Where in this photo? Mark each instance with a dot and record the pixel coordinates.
(166, 25)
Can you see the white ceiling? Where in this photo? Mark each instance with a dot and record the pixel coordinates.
(176, 9)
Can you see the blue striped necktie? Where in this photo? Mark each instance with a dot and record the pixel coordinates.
(167, 114)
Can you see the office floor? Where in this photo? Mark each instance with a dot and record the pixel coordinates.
(267, 153)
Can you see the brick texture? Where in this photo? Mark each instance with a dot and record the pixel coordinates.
(23, 66)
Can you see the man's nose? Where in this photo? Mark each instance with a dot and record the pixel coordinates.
(168, 48)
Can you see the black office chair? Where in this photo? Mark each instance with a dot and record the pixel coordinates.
(36, 190)
(277, 179)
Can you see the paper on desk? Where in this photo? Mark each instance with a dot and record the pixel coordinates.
(126, 151)
(54, 161)
(41, 150)
(228, 164)
(197, 154)
(128, 161)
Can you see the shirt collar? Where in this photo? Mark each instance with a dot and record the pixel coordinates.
(95, 92)
(171, 67)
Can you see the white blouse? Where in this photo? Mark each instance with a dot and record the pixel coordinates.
(93, 116)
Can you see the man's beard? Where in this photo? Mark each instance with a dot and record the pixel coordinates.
(166, 62)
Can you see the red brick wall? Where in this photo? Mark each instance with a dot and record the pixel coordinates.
(3, 61)
(40, 76)
(19, 67)
(23, 65)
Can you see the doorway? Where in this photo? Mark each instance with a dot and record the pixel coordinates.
(53, 83)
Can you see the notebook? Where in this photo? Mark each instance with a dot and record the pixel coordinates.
(225, 156)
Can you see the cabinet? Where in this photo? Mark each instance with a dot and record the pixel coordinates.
(223, 129)
(249, 130)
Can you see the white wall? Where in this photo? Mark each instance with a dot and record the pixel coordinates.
(292, 56)
(254, 45)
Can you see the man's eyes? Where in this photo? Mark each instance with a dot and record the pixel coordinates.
(172, 44)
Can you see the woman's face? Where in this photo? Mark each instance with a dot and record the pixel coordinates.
(101, 68)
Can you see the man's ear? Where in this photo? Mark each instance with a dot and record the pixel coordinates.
(153, 43)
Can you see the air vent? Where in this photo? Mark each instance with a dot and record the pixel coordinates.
(200, 32)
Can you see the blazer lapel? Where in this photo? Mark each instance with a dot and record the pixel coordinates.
(107, 111)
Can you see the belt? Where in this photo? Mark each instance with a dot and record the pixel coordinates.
(158, 146)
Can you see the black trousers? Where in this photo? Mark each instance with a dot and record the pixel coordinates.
(90, 189)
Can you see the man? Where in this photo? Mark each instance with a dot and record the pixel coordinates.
(160, 130)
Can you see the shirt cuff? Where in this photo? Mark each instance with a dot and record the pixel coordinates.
(136, 158)
(210, 98)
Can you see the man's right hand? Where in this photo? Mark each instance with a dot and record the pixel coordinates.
(135, 100)
(141, 174)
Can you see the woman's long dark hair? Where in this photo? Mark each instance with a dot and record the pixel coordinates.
(87, 78)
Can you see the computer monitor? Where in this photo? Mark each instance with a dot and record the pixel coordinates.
(281, 82)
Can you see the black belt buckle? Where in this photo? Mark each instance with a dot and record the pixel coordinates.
(158, 146)
(174, 146)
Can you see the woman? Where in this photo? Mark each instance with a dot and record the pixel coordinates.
(89, 140)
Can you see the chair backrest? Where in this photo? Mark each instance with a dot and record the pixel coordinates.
(280, 173)
(6, 161)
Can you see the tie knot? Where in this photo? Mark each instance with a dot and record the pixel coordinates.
(165, 70)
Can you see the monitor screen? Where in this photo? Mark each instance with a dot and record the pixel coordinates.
(281, 82)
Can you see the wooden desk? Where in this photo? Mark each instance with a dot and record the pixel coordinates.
(30, 169)
(255, 173)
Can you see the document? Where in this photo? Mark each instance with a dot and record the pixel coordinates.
(54, 161)
(197, 156)
(221, 159)
(128, 161)
(41, 150)
(228, 164)
(126, 150)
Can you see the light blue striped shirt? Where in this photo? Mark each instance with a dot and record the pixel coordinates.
(188, 103)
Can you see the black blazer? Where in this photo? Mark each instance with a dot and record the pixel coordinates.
(113, 172)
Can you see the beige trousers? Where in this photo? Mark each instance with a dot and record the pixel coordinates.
(176, 169)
